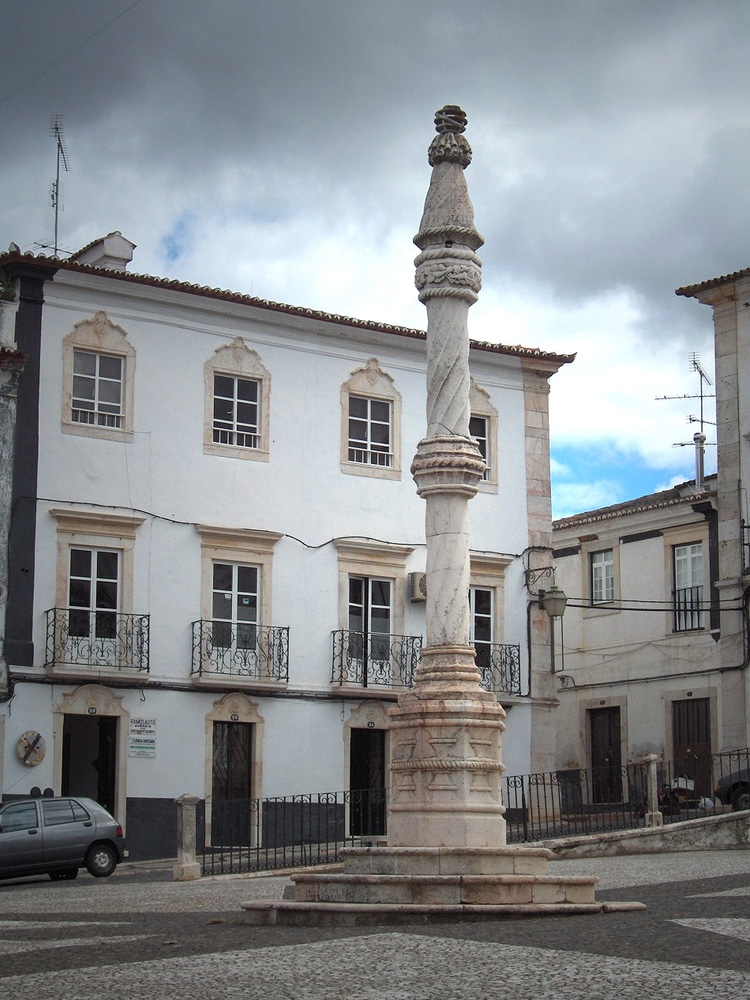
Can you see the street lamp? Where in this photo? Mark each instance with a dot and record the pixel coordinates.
(553, 601)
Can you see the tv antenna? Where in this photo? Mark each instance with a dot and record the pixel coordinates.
(699, 438)
(56, 131)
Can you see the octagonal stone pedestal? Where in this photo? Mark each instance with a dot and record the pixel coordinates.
(379, 885)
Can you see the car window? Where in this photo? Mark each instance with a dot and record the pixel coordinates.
(18, 816)
(79, 813)
(57, 811)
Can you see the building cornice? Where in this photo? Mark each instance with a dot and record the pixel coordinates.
(46, 267)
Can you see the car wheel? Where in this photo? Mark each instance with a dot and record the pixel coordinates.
(67, 874)
(741, 798)
(101, 860)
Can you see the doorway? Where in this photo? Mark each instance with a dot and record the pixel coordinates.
(367, 783)
(691, 740)
(606, 759)
(231, 783)
(89, 758)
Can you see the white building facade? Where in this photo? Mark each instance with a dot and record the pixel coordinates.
(638, 659)
(216, 549)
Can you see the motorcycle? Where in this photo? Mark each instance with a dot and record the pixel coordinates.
(678, 792)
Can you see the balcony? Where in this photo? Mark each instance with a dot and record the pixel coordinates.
(97, 640)
(375, 659)
(240, 650)
(500, 669)
(379, 660)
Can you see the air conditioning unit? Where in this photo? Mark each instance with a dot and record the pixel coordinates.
(417, 586)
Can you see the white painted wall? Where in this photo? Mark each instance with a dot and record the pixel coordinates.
(300, 492)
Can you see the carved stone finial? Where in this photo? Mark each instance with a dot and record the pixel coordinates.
(450, 119)
(450, 144)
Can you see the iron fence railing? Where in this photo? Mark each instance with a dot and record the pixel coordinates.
(375, 659)
(77, 637)
(240, 649)
(298, 830)
(240, 835)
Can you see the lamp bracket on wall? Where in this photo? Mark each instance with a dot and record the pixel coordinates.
(544, 574)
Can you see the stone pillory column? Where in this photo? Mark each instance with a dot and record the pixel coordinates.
(446, 732)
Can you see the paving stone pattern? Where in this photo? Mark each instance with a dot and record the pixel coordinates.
(140, 934)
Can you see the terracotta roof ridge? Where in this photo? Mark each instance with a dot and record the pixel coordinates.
(177, 284)
(651, 501)
(702, 286)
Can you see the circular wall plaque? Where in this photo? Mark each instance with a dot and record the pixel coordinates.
(31, 748)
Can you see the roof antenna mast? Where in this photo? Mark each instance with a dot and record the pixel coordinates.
(699, 438)
(56, 131)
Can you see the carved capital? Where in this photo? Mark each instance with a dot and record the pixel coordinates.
(450, 464)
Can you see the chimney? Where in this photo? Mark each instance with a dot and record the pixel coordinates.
(112, 251)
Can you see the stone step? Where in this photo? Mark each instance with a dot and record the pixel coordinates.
(447, 861)
(443, 890)
(259, 913)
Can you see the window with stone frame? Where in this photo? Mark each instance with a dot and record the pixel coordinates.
(483, 427)
(98, 380)
(237, 391)
(687, 563)
(602, 569)
(371, 424)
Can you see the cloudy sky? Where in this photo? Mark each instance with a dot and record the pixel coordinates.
(278, 148)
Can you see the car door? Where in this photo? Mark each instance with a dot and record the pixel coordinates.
(21, 841)
(68, 830)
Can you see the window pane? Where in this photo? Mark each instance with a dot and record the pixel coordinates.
(109, 367)
(79, 594)
(223, 410)
(106, 565)
(222, 606)
(357, 407)
(106, 594)
(84, 363)
(80, 562)
(83, 389)
(247, 389)
(222, 576)
(109, 392)
(247, 579)
(380, 411)
(224, 386)
(247, 415)
(482, 602)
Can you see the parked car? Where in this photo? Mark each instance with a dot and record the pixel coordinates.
(734, 788)
(57, 836)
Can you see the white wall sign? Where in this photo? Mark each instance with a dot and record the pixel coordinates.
(142, 741)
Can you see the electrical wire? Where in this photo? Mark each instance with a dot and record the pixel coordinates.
(60, 59)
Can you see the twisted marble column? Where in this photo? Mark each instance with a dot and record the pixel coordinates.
(446, 732)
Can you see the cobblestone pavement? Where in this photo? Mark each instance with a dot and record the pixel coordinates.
(140, 934)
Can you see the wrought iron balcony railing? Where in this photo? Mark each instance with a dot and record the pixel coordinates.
(101, 639)
(241, 649)
(500, 669)
(688, 609)
(375, 659)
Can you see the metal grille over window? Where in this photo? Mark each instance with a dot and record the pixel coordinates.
(97, 389)
(236, 419)
(370, 431)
